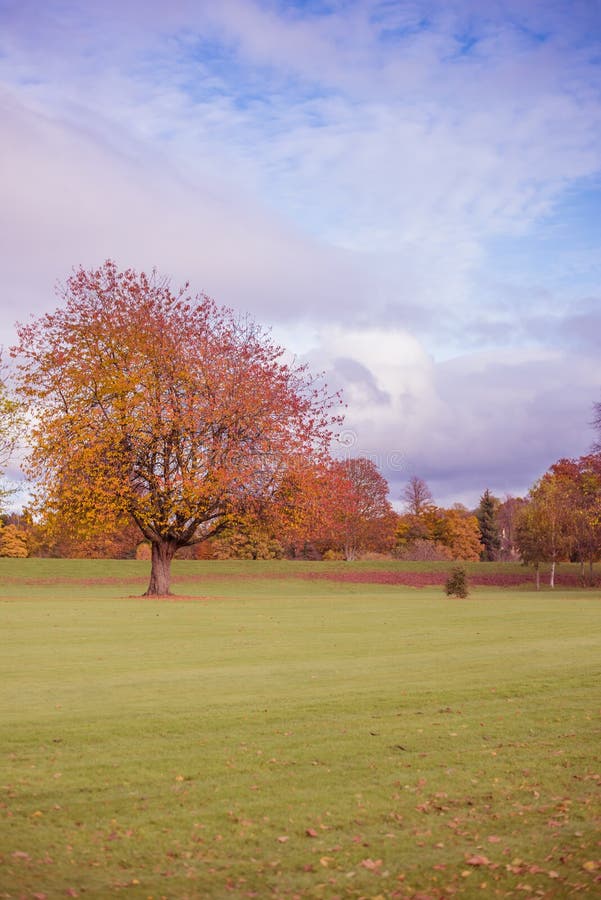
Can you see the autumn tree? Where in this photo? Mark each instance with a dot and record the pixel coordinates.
(583, 476)
(460, 532)
(545, 531)
(489, 529)
(13, 542)
(507, 519)
(247, 537)
(439, 533)
(361, 516)
(417, 525)
(58, 539)
(531, 538)
(417, 496)
(160, 408)
(340, 506)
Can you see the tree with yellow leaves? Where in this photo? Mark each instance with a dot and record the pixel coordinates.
(160, 408)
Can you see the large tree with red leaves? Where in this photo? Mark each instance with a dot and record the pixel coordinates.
(161, 408)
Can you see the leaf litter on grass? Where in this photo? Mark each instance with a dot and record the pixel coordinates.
(177, 723)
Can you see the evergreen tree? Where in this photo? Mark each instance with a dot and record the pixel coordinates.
(489, 529)
(456, 584)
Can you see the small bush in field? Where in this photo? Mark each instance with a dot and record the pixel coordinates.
(456, 583)
(333, 554)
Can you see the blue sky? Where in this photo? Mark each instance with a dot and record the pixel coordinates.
(407, 192)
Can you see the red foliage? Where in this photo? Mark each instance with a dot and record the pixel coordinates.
(161, 409)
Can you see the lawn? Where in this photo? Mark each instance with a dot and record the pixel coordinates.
(273, 736)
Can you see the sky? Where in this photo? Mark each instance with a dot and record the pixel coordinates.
(407, 192)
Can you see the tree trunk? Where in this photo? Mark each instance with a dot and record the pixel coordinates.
(552, 575)
(160, 572)
(537, 577)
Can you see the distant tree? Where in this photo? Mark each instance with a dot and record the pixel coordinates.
(356, 515)
(412, 528)
(372, 522)
(507, 518)
(532, 538)
(417, 496)
(299, 513)
(461, 534)
(421, 550)
(246, 537)
(583, 475)
(162, 409)
(489, 529)
(13, 542)
(452, 534)
(545, 531)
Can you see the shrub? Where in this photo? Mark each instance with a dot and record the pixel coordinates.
(422, 550)
(333, 554)
(456, 584)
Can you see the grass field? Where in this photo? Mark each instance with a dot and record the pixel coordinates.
(272, 736)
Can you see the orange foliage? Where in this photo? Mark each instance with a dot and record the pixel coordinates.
(339, 508)
(161, 409)
(449, 533)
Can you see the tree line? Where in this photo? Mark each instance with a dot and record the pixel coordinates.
(159, 423)
(341, 510)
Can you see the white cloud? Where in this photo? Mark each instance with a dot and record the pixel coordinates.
(492, 419)
(68, 200)
(342, 175)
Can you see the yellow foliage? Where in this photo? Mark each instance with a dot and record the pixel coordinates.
(13, 542)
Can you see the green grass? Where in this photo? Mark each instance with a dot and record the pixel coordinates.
(287, 738)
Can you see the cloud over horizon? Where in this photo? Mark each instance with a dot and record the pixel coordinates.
(408, 192)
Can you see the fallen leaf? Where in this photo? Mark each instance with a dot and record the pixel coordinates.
(371, 864)
(477, 860)
(310, 832)
(283, 838)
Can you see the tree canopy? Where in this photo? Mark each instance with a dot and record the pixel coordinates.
(162, 408)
